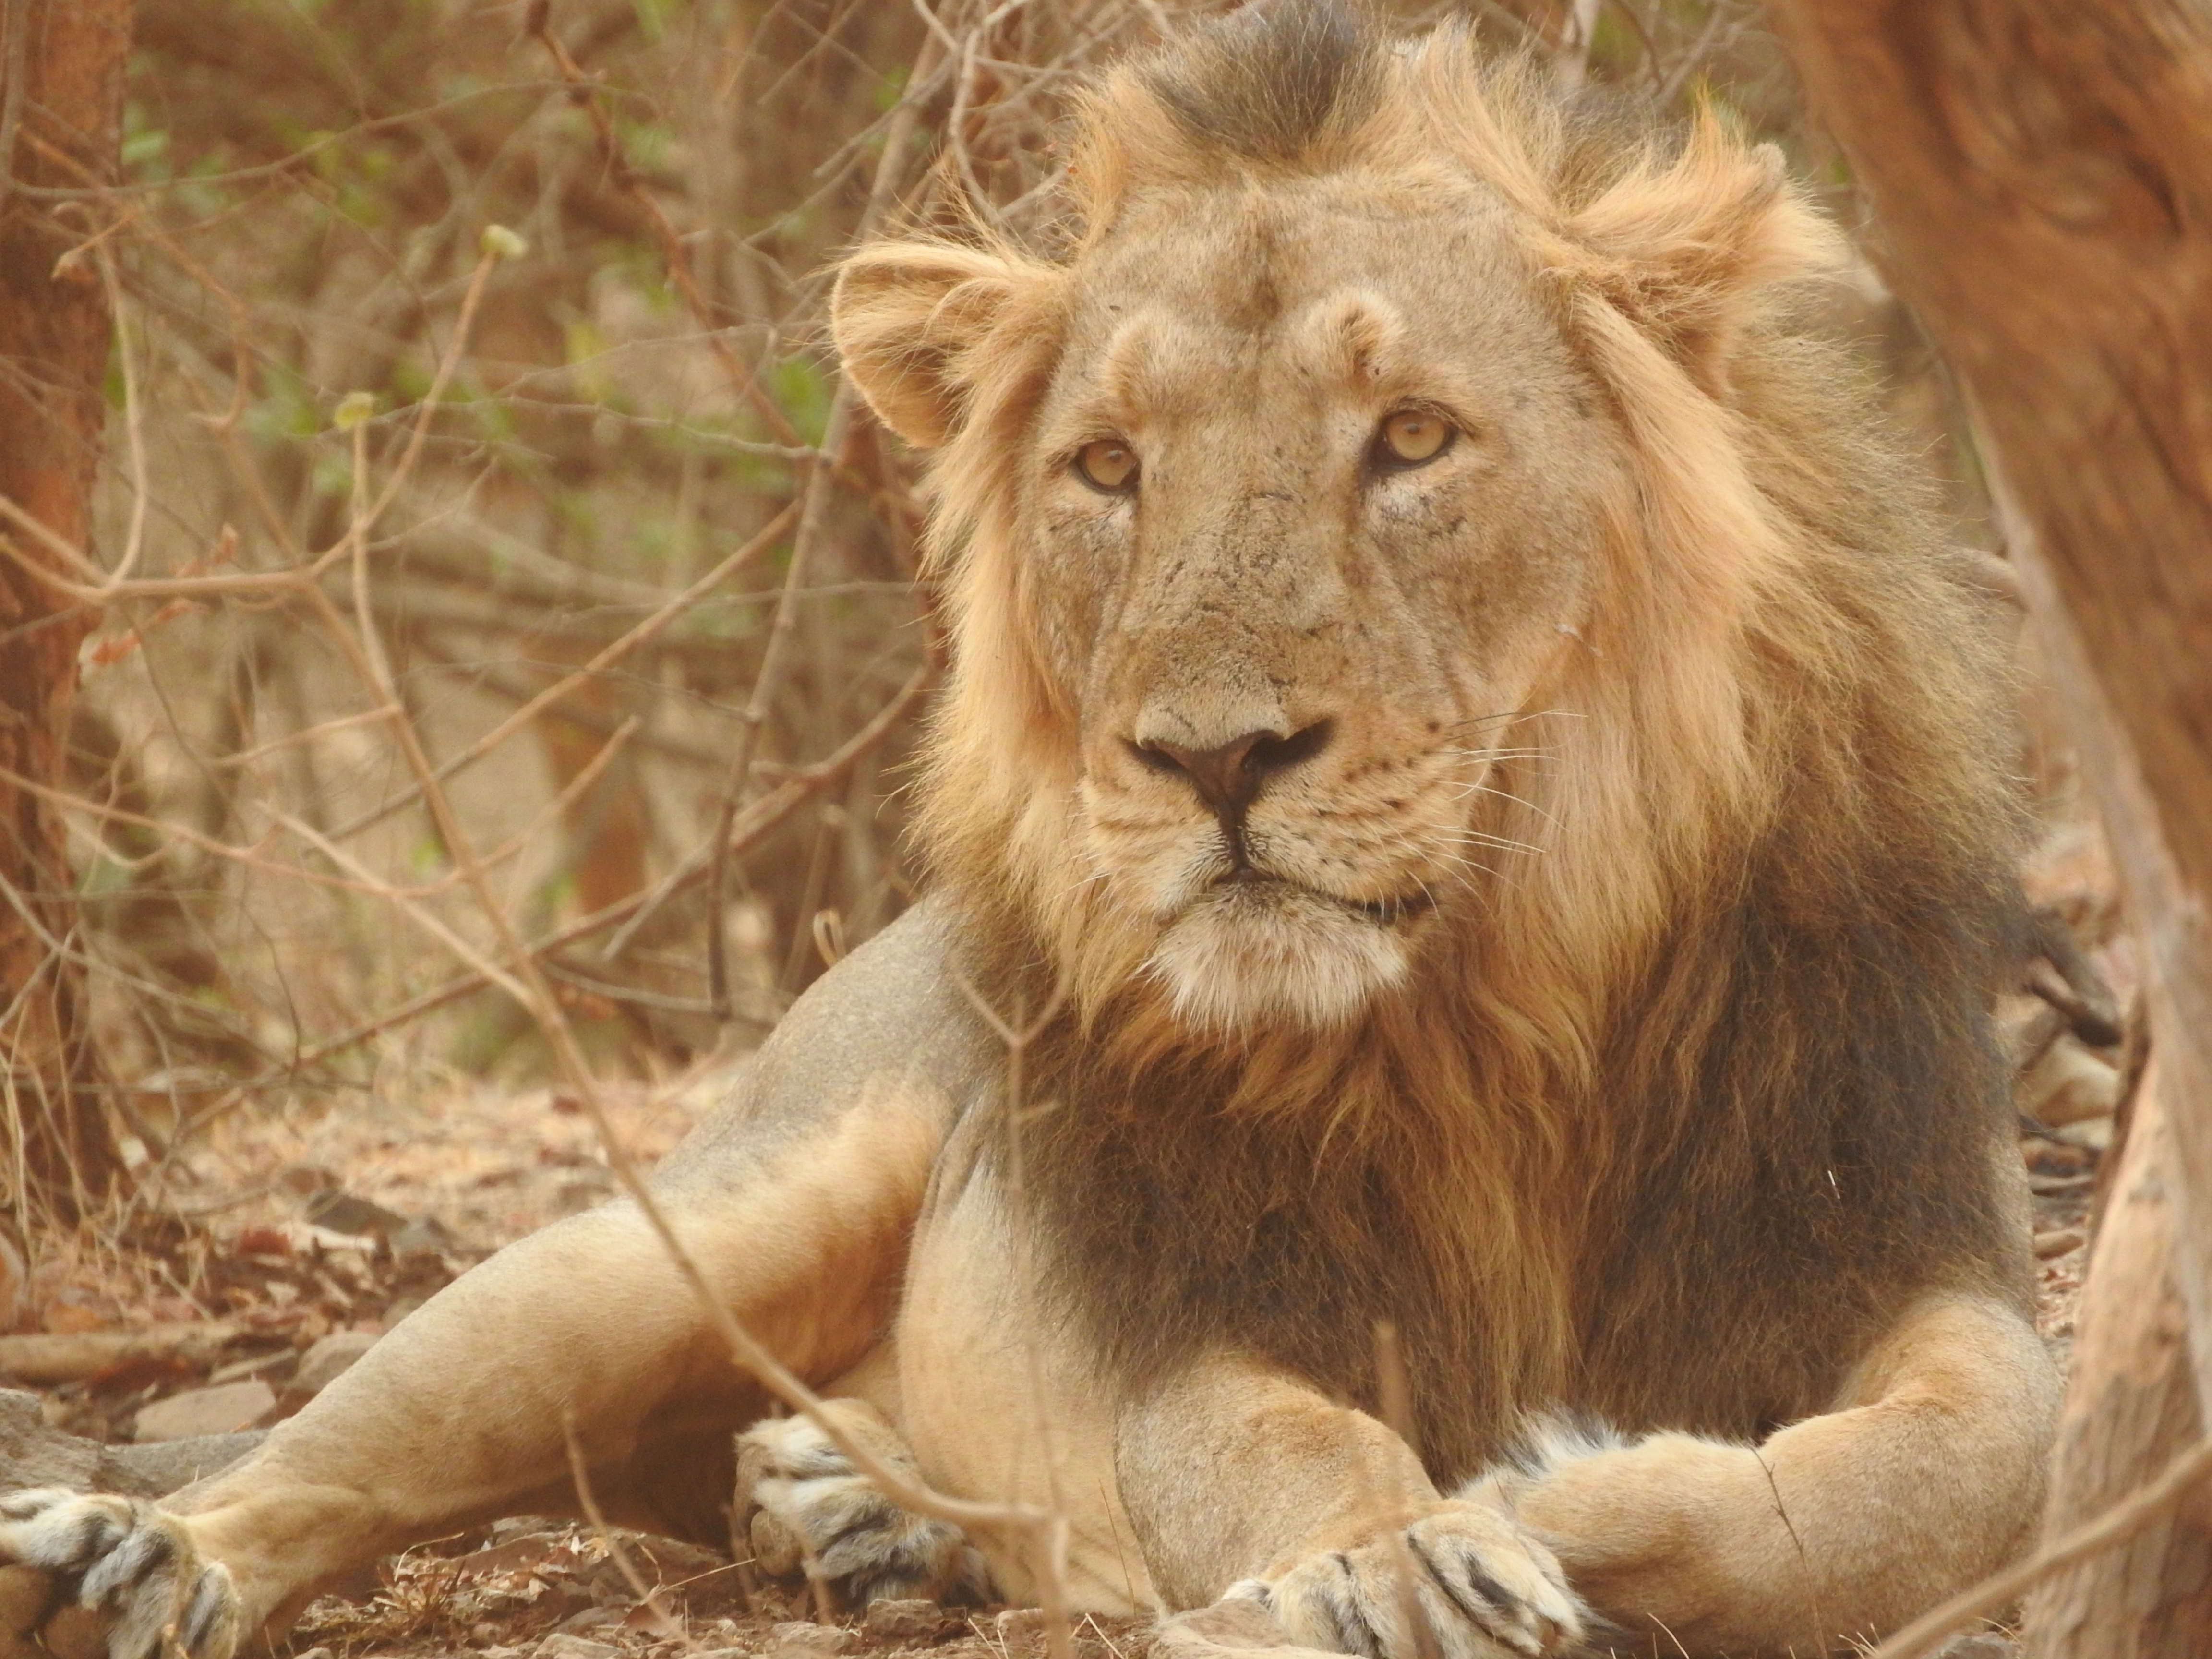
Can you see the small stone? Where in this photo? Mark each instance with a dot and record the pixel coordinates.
(598, 1616)
(321, 1364)
(561, 1644)
(337, 1211)
(34, 1453)
(903, 1622)
(797, 1639)
(223, 1410)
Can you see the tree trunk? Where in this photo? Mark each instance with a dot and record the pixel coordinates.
(2132, 1407)
(60, 128)
(2038, 168)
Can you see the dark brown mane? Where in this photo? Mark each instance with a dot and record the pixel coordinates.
(1792, 1135)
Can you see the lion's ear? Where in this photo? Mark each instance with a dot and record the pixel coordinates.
(914, 320)
(1692, 250)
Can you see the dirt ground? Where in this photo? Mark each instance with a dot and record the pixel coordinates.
(311, 1231)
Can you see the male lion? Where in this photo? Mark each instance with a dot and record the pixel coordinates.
(1458, 710)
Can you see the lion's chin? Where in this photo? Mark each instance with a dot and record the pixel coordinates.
(1254, 956)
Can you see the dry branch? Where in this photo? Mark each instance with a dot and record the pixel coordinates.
(46, 1361)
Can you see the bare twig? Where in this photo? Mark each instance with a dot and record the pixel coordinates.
(649, 1596)
(768, 681)
(2123, 1521)
(642, 635)
(674, 256)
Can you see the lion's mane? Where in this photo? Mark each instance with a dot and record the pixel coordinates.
(1676, 1110)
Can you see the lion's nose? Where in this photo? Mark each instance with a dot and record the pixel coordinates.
(1229, 776)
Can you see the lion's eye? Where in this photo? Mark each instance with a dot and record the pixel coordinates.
(1411, 436)
(1107, 464)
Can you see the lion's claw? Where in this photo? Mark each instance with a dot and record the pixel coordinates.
(1484, 1588)
(128, 1562)
(812, 1511)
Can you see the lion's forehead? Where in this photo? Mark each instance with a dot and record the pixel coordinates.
(1239, 279)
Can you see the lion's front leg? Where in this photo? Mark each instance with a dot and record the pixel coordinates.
(585, 1333)
(1928, 1476)
(1245, 1485)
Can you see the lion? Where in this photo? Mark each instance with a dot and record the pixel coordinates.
(1472, 774)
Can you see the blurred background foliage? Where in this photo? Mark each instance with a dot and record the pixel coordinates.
(641, 393)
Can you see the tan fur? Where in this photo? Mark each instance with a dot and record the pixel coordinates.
(1601, 1001)
(970, 1351)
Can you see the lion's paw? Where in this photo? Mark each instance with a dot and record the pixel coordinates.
(1484, 1587)
(812, 1512)
(127, 1563)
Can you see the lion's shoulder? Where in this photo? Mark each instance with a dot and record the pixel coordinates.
(892, 1016)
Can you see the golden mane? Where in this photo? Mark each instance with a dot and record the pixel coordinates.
(1786, 757)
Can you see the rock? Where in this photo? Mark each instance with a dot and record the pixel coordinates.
(902, 1623)
(799, 1640)
(221, 1410)
(34, 1453)
(159, 1468)
(576, 1624)
(562, 1646)
(340, 1211)
(321, 1364)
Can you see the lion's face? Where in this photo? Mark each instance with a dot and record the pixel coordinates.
(1351, 443)
(1310, 505)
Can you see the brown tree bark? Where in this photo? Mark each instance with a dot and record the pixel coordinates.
(2041, 171)
(61, 108)
(2131, 1407)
